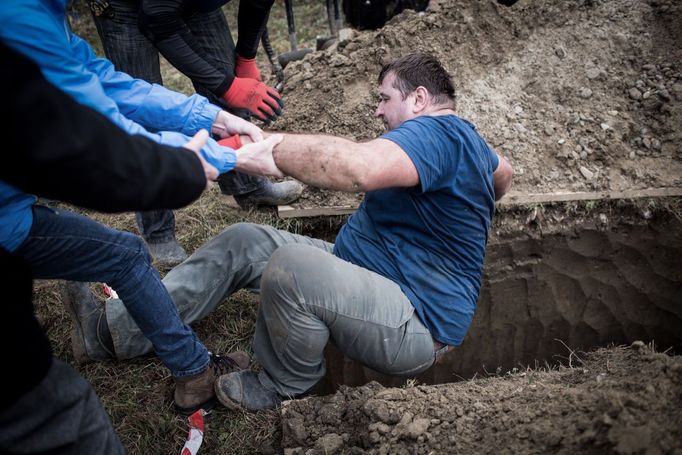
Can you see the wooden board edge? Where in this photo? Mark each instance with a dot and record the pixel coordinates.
(511, 200)
(287, 211)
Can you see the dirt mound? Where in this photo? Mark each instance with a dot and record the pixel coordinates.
(578, 94)
(620, 400)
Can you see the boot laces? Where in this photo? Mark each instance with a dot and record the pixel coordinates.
(223, 364)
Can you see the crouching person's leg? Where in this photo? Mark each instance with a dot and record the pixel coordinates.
(308, 295)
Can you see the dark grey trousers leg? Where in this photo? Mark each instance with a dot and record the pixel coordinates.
(61, 415)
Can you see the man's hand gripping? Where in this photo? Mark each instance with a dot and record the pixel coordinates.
(256, 158)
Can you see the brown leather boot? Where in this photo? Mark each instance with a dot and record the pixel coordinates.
(196, 391)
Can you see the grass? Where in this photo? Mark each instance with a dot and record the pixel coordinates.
(137, 393)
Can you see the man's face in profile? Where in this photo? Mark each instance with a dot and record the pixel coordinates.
(393, 110)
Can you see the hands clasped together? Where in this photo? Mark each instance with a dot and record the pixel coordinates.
(254, 152)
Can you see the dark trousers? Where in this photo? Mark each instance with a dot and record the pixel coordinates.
(61, 415)
(131, 52)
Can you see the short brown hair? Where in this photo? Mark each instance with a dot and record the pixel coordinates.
(414, 70)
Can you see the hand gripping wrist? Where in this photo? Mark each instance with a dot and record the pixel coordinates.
(258, 99)
(246, 68)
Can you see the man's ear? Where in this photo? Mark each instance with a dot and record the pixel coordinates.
(421, 99)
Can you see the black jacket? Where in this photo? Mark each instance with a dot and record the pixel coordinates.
(57, 148)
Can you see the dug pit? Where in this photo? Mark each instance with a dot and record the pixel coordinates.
(569, 276)
(559, 280)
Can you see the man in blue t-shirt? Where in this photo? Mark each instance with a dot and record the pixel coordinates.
(400, 284)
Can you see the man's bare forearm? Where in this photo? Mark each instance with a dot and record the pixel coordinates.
(322, 161)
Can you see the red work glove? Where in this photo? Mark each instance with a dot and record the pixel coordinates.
(246, 67)
(261, 101)
(234, 142)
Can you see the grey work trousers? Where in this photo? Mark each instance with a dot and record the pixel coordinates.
(307, 296)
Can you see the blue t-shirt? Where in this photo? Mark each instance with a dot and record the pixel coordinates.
(431, 239)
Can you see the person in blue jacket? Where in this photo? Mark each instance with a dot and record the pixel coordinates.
(58, 244)
(193, 35)
(46, 405)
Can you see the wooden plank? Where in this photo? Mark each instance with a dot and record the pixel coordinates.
(287, 211)
(515, 199)
(510, 200)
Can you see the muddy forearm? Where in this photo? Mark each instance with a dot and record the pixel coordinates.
(322, 161)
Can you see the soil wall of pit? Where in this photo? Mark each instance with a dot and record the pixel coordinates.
(551, 285)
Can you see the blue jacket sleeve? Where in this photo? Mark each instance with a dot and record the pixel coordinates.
(39, 31)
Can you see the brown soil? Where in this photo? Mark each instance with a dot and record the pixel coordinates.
(621, 400)
(580, 95)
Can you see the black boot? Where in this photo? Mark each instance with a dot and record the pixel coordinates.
(90, 336)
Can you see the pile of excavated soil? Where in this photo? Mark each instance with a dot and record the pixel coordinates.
(579, 95)
(619, 400)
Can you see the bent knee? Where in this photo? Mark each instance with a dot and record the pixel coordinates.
(298, 258)
(293, 270)
(247, 233)
(278, 279)
(241, 229)
(136, 249)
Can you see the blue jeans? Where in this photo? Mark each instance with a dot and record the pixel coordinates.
(131, 52)
(68, 246)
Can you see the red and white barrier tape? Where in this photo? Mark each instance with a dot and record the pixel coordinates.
(196, 433)
(109, 292)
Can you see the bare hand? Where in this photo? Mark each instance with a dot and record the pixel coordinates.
(195, 144)
(256, 158)
(226, 124)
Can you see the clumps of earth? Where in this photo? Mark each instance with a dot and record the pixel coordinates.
(623, 400)
(580, 95)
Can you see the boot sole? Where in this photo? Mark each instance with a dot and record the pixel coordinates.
(226, 401)
(268, 201)
(207, 406)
